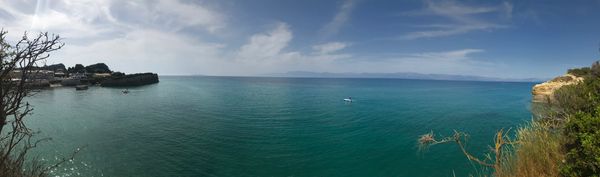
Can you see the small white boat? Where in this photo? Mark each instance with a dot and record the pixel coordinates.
(348, 100)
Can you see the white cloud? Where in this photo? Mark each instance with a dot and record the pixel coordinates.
(445, 62)
(463, 19)
(341, 17)
(172, 15)
(267, 45)
(148, 51)
(266, 53)
(131, 36)
(142, 36)
(191, 15)
(329, 47)
(78, 19)
(455, 55)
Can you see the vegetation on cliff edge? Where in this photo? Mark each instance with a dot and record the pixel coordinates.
(563, 139)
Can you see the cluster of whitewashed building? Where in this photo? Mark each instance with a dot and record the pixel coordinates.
(47, 78)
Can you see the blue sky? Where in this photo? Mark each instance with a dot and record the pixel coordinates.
(509, 39)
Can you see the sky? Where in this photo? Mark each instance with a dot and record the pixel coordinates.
(507, 39)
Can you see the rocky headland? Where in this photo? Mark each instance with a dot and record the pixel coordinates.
(138, 79)
(544, 92)
(95, 74)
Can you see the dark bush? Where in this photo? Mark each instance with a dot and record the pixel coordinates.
(580, 72)
(595, 70)
(562, 79)
(117, 74)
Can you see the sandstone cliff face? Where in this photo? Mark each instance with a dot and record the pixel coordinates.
(545, 91)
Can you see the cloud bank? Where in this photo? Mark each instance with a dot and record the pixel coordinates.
(169, 37)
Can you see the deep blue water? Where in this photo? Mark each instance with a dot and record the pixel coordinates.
(242, 126)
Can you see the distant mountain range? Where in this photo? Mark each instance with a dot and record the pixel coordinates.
(400, 75)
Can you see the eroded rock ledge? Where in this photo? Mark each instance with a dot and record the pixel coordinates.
(544, 92)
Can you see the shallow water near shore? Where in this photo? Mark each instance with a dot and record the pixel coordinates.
(244, 126)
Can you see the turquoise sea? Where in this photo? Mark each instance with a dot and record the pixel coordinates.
(245, 126)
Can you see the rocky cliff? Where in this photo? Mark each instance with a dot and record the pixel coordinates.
(98, 68)
(130, 80)
(545, 91)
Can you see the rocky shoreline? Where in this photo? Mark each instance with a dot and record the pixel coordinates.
(79, 75)
(130, 80)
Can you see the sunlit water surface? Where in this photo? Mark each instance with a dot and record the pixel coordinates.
(228, 126)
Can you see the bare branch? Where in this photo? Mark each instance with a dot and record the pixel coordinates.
(18, 70)
(429, 139)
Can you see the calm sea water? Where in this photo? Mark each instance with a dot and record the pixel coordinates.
(228, 126)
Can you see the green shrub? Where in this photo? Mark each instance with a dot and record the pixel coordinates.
(582, 97)
(562, 140)
(580, 72)
(582, 142)
(579, 105)
(575, 98)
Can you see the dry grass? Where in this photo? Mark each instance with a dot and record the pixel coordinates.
(537, 153)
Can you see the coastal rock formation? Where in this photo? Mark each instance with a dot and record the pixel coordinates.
(130, 80)
(78, 68)
(98, 68)
(545, 91)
